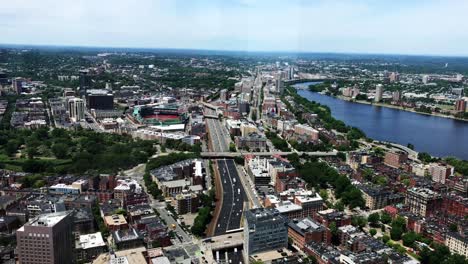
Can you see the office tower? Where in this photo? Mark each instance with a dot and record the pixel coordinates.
(396, 96)
(99, 99)
(265, 229)
(3, 78)
(460, 105)
(76, 109)
(378, 93)
(18, 85)
(279, 85)
(85, 81)
(425, 79)
(394, 77)
(46, 239)
(291, 72)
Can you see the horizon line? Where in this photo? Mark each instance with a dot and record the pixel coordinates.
(231, 51)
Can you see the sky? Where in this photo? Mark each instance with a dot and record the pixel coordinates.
(359, 26)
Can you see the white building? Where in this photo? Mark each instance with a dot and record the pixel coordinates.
(378, 93)
(76, 109)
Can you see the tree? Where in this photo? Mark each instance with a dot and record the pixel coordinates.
(60, 150)
(373, 219)
(385, 238)
(372, 232)
(359, 221)
(232, 147)
(410, 146)
(11, 147)
(453, 227)
(396, 232)
(409, 239)
(424, 157)
(324, 194)
(385, 218)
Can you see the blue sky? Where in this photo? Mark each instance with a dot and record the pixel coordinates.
(367, 26)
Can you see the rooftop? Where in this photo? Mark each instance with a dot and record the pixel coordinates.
(90, 241)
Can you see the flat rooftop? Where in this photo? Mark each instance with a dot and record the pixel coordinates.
(47, 219)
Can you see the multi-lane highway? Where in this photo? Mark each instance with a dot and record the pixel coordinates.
(230, 214)
(219, 137)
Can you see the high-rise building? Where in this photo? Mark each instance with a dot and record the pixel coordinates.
(85, 81)
(440, 173)
(394, 77)
(265, 229)
(3, 78)
(46, 239)
(76, 109)
(291, 72)
(99, 99)
(279, 85)
(425, 79)
(17, 84)
(396, 96)
(460, 105)
(378, 93)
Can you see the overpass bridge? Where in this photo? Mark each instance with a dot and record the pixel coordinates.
(214, 107)
(210, 116)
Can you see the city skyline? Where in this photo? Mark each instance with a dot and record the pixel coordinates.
(397, 27)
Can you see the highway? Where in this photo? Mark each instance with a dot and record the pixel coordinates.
(216, 154)
(233, 199)
(217, 135)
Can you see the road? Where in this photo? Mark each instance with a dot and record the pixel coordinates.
(216, 154)
(219, 138)
(232, 206)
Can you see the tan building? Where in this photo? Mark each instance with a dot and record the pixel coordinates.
(440, 172)
(457, 244)
(115, 222)
(395, 159)
(422, 201)
(311, 132)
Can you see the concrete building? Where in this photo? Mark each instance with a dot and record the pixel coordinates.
(306, 230)
(422, 201)
(252, 142)
(17, 84)
(375, 197)
(457, 244)
(440, 173)
(460, 105)
(76, 109)
(99, 99)
(46, 239)
(378, 93)
(186, 202)
(265, 229)
(396, 96)
(89, 246)
(306, 130)
(395, 159)
(115, 222)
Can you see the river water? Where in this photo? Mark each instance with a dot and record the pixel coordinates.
(436, 135)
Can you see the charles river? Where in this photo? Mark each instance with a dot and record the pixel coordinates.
(435, 135)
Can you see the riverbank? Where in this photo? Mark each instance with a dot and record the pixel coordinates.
(396, 107)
